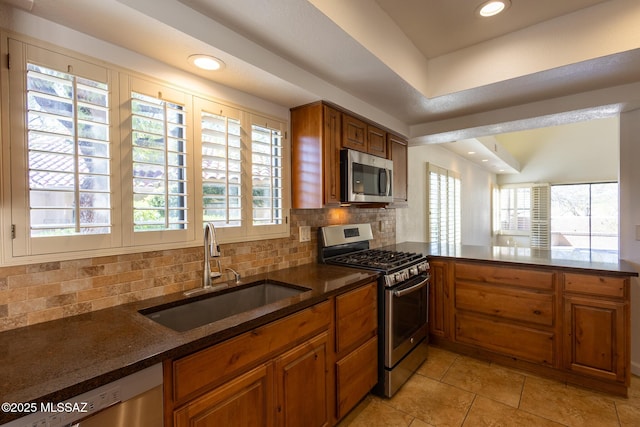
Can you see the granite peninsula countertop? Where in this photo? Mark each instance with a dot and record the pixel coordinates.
(564, 259)
(56, 360)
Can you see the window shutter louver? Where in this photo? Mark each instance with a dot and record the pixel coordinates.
(540, 217)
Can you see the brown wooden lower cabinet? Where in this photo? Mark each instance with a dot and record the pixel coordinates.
(595, 341)
(244, 401)
(290, 372)
(571, 325)
(301, 385)
(356, 374)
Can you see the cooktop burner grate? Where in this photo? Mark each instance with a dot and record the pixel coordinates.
(377, 258)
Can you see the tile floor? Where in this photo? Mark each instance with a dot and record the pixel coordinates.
(454, 390)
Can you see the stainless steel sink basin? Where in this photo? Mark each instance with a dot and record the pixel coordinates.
(213, 307)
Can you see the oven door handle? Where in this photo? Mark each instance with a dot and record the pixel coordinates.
(411, 289)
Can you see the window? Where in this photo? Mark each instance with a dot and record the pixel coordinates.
(585, 216)
(267, 175)
(221, 170)
(515, 209)
(243, 158)
(159, 164)
(444, 206)
(104, 160)
(68, 154)
(61, 169)
(523, 215)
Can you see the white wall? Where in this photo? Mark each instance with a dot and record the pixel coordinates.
(476, 183)
(572, 153)
(630, 218)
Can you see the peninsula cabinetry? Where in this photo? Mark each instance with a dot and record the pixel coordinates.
(569, 324)
(596, 326)
(507, 310)
(440, 300)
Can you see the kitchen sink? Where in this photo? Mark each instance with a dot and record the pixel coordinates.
(210, 308)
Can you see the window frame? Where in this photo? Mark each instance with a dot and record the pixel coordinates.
(168, 94)
(18, 192)
(24, 249)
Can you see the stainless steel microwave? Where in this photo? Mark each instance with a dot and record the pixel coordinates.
(365, 178)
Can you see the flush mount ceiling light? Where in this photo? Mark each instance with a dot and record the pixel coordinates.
(206, 62)
(493, 7)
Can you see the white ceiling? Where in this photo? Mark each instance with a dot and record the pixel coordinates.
(419, 67)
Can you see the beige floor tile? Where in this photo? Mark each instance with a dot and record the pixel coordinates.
(433, 402)
(486, 380)
(419, 423)
(372, 412)
(437, 363)
(487, 412)
(628, 415)
(567, 405)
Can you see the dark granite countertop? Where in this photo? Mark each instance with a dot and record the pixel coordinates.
(54, 361)
(569, 260)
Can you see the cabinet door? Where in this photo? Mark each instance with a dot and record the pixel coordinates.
(376, 141)
(439, 301)
(356, 317)
(354, 133)
(595, 337)
(356, 374)
(398, 151)
(244, 401)
(331, 158)
(301, 384)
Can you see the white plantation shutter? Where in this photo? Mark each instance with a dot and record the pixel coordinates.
(222, 181)
(540, 216)
(443, 208)
(159, 164)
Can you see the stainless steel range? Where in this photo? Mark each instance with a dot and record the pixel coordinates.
(403, 290)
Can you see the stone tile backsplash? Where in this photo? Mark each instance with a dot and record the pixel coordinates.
(35, 293)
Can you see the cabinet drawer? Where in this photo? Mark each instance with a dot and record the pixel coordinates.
(356, 317)
(203, 370)
(356, 374)
(519, 277)
(515, 304)
(595, 285)
(228, 404)
(513, 340)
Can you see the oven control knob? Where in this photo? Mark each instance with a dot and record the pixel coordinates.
(413, 271)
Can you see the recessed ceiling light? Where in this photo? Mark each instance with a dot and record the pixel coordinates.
(493, 7)
(471, 152)
(206, 62)
(485, 160)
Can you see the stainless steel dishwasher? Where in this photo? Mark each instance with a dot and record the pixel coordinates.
(132, 401)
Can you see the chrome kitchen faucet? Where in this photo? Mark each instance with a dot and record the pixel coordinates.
(211, 250)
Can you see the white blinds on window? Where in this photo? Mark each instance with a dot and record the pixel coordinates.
(540, 217)
(443, 205)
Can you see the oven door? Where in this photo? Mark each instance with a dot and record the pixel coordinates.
(406, 314)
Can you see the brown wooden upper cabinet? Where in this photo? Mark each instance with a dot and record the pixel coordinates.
(398, 151)
(361, 136)
(315, 156)
(318, 132)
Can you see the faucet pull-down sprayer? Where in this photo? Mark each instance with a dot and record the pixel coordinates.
(211, 250)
